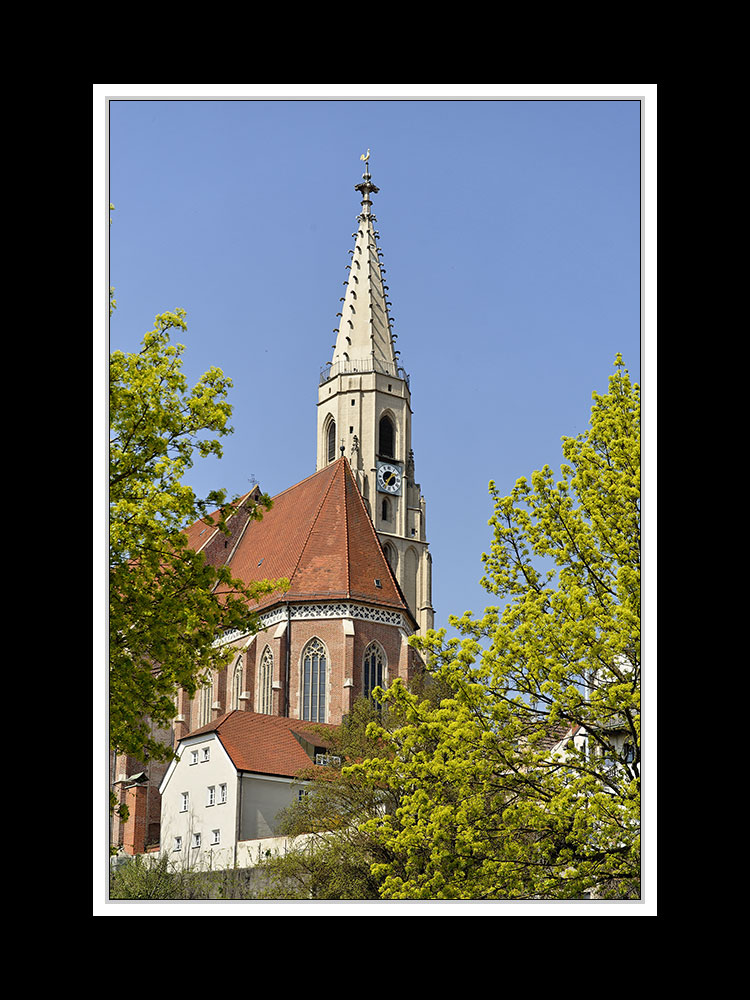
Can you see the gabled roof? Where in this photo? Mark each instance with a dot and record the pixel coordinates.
(265, 744)
(319, 536)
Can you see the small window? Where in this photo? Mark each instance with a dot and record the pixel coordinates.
(385, 513)
(206, 754)
(215, 837)
(185, 802)
(196, 840)
(211, 795)
(222, 793)
(177, 844)
(193, 757)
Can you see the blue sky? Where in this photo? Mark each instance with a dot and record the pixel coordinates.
(511, 233)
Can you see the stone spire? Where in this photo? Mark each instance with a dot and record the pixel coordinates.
(365, 340)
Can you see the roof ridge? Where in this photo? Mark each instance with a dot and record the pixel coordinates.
(294, 486)
(314, 520)
(346, 530)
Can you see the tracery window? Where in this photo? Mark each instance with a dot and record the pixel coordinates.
(265, 683)
(204, 708)
(237, 684)
(374, 668)
(314, 681)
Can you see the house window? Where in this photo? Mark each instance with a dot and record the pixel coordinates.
(211, 795)
(177, 844)
(314, 681)
(331, 440)
(222, 793)
(185, 802)
(265, 681)
(373, 668)
(215, 837)
(193, 757)
(196, 840)
(206, 753)
(386, 438)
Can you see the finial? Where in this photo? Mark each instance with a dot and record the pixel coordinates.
(367, 187)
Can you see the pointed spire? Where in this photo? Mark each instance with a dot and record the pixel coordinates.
(365, 340)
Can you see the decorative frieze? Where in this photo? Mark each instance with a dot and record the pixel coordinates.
(307, 612)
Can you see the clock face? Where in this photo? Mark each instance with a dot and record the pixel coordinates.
(389, 478)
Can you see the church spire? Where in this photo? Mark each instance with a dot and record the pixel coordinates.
(365, 340)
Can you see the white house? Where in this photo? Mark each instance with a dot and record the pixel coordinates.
(221, 797)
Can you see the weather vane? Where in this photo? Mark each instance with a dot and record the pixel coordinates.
(366, 157)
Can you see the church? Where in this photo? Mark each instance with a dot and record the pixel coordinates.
(351, 540)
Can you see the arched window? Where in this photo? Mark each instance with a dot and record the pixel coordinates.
(205, 704)
(265, 683)
(386, 438)
(331, 440)
(314, 681)
(390, 555)
(385, 513)
(237, 684)
(374, 669)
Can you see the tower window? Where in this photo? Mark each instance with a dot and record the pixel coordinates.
(331, 440)
(386, 438)
(386, 510)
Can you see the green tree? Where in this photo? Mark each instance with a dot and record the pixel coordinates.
(167, 603)
(525, 782)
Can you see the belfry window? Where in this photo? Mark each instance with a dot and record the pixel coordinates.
(331, 440)
(386, 438)
(314, 681)
(373, 669)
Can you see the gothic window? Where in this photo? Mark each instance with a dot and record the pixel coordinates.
(265, 682)
(373, 668)
(205, 705)
(386, 438)
(331, 440)
(390, 555)
(385, 513)
(237, 684)
(314, 681)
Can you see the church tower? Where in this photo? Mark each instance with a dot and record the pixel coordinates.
(364, 413)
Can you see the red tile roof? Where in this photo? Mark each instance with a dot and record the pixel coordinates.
(265, 744)
(319, 536)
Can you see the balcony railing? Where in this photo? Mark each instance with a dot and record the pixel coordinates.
(331, 370)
